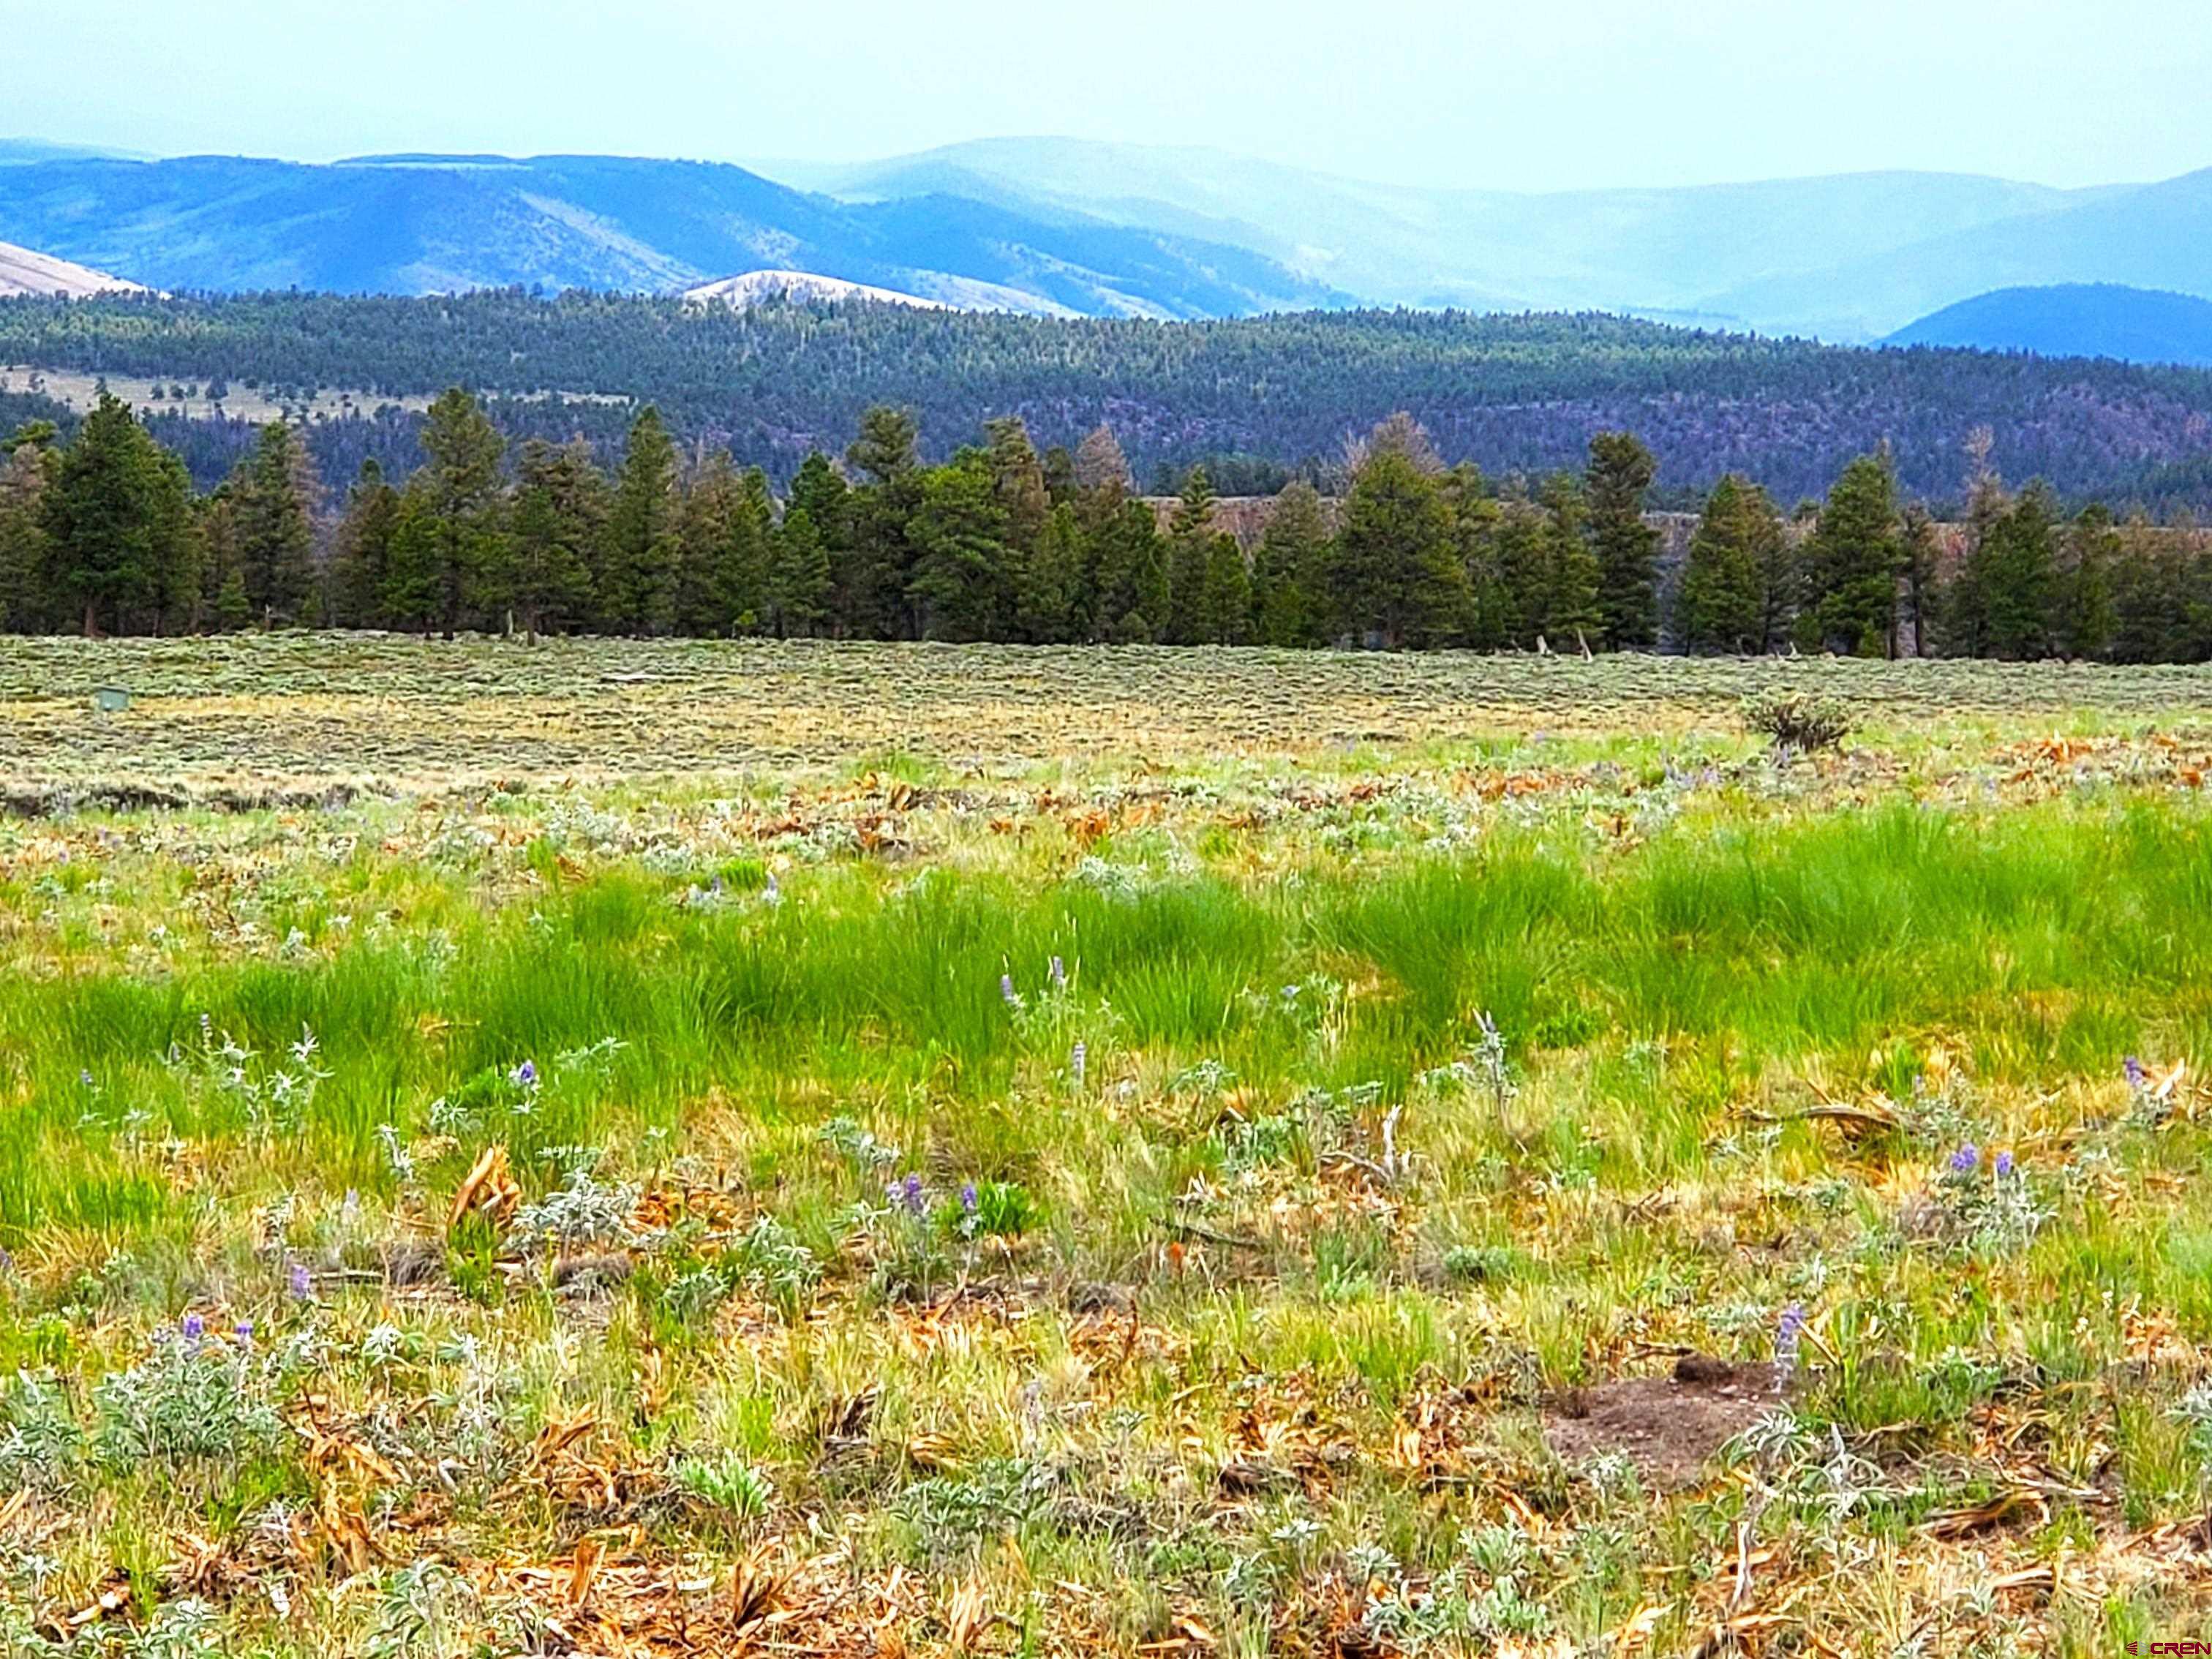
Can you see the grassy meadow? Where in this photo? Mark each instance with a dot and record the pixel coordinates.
(678, 1148)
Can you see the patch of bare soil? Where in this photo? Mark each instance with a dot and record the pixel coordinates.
(1668, 1428)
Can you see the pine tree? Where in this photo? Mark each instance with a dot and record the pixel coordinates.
(277, 496)
(960, 584)
(2084, 602)
(873, 563)
(1291, 568)
(1476, 516)
(1017, 479)
(2149, 596)
(1850, 564)
(1048, 605)
(1619, 483)
(636, 578)
(1920, 558)
(461, 511)
(1397, 578)
(417, 560)
(560, 515)
(1129, 575)
(889, 445)
(27, 464)
(1190, 550)
(1723, 600)
(224, 602)
(1225, 602)
(798, 587)
(721, 584)
(1572, 580)
(363, 549)
(117, 523)
(1102, 479)
(2014, 572)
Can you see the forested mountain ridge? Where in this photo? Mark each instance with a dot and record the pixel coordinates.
(2102, 320)
(413, 225)
(1257, 398)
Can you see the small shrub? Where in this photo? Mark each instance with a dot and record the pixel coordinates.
(1797, 724)
(190, 1399)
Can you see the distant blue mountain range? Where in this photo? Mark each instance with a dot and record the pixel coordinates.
(425, 224)
(2074, 319)
(1060, 226)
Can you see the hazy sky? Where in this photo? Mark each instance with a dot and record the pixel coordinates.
(1563, 92)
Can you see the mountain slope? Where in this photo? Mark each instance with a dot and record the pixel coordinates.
(2150, 236)
(2102, 320)
(757, 287)
(1663, 252)
(22, 271)
(437, 224)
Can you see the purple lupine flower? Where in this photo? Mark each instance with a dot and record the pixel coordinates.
(2134, 1069)
(1075, 1062)
(2004, 1165)
(908, 1193)
(1059, 974)
(524, 1076)
(192, 1329)
(244, 1332)
(967, 1197)
(298, 1281)
(770, 892)
(1007, 995)
(1964, 1160)
(1787, 1332)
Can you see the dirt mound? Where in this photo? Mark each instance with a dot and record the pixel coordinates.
(1668, 1428)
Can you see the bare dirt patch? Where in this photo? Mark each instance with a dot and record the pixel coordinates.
(1668, 1428)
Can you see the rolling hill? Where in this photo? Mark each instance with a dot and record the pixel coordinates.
(431, 224)
(22, 271)
(2102, 320)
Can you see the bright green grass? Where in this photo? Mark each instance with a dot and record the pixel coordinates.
(1255, 1006)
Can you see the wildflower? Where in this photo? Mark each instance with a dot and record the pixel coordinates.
(524, 1076)
(1007, 995)
(299, 1282)
(1966, 1159)
(908, 1194)
(1059, 975)
(85, 1077)
(2134, 1069)
(2004, 1165)
(1789, 1331)
(770, 892)
(1075, 1062)
(244, 1332)
(193, 1327)
(968, 1198)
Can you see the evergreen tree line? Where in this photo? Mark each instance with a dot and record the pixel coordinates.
(1249, 395)
(105, 534)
